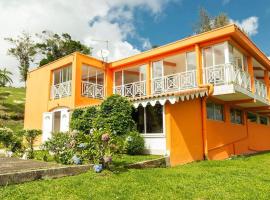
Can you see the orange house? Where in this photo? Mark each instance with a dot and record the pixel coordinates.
(203, 97)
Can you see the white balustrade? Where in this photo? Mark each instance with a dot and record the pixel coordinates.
(174, 82)
(92, 90)
(260, 89)
(227, 74)
(135, 89)
(61, 90)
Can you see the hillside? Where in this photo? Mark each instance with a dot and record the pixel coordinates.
(12, 107)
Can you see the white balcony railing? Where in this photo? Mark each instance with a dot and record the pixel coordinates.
(61, 90)
(135, 89)
(92, 90)
(260, 89)
(227, 74)
(174, 82)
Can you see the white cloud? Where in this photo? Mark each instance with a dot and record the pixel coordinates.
(85, 20)
(224, 2)
(250, 25)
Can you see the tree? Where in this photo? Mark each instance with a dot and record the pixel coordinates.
(5, 77)
(54, 46)
(207, 23)
(24, 51)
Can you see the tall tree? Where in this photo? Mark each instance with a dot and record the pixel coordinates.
(54, 46)
(207, 23)
(5, 77)
(24, 50)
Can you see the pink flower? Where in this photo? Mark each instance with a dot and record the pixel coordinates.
(105, 137)
(107, 159)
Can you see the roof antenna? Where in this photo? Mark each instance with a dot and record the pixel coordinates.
(103, 53)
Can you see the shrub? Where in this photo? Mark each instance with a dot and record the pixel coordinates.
(6, 137)
(134, 143)
(82, 119)
(62, 145)
(30, 136)
(116, 115)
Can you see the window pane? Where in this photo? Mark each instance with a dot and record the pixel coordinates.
(56, 77)
(191, 61)
(263, 120)
(219, 112)
(219, 54)
(131, 75)
(139, 119)
(118, 78)
(157, 68)
(236, 116)
(154, 119)
(208, 57)
(100, 77)
(210, 110)
(252, 117)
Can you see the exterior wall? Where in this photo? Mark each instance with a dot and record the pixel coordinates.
(259, 137)
(184, 131)
(225, 138)
(38, 94)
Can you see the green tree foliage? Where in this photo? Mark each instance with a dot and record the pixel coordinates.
(134, 143)
(5, 77)
(24, 50)
(207, 23)
(54, 46)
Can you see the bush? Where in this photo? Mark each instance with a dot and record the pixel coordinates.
(6, 137)
(134, 143)
(116, 115)
(82, 119)
(30, 136)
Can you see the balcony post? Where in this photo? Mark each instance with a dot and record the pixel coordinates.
(266, 81)
(108, 82)
(251, 73)
(148, 79)
(199, 70)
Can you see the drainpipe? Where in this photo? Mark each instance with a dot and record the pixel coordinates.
(204, 118)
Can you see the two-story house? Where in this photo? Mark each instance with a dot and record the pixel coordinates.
(205, 96)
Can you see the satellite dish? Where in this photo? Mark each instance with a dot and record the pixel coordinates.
(103, 53)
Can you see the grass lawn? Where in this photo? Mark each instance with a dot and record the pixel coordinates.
(239, 178)
(12, 103)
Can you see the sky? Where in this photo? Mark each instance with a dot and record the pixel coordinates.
(130, 26)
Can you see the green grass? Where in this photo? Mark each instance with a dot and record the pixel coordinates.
(12, 102)
(239, 178)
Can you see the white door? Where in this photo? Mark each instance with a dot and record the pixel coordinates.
(47, 126)
(64, 122)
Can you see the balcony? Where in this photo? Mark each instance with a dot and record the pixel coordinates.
(227, 74)
(132, 90)
(61, 90)
(174, 82)
(92, 90)
(260, 90)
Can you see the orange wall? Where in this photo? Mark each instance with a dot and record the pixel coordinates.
(184, 131)
(259, 136)
(225, 138)
(38, 94)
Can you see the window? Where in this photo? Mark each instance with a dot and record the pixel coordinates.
(264, 120)
(92, 75)
(130, 75)
(215, 111)
(191, 61)
(214, 55)
(149, 119)
(237, 58)
(157, 69)
(236, 116)
(62, 75)
(252, 117)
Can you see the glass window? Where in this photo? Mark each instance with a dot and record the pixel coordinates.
(118, 78)
(92, 75)
(236, 116)
(219, 54)
(149, 119)
(208, 57)
(191, 61)
(215, 111)
(157, 69)
(252, 117)
(61, 75)
(264, 120)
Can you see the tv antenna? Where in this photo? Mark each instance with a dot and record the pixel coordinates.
(103, 53)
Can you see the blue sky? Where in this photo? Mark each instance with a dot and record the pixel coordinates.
(178, 17)
(131, 26)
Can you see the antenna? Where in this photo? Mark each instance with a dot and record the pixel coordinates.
(103, 53)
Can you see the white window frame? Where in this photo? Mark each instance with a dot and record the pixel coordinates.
(96, 69)
(69, 68)
(226, 53)
(145, 134)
